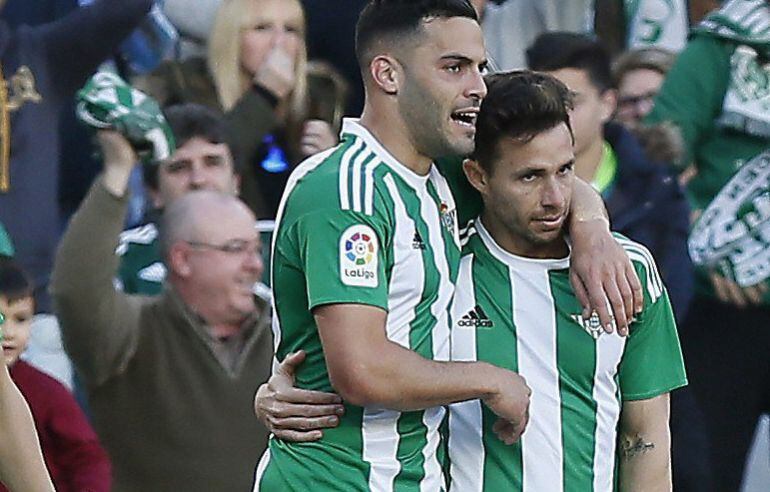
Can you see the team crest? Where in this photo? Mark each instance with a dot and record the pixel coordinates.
(358, 256)
(448, 218)
(592, 325)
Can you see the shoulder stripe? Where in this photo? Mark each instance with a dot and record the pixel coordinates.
(467, 233)
(344, 170)
(357, 191)
(371, 166)
(650, 260)
(639, 253)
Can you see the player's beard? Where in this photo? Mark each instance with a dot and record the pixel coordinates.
(427, 121)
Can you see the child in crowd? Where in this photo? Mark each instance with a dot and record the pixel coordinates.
(70, 447)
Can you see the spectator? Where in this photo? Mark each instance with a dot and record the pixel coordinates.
(638, 75)
(716, 94)
(43, 76)
(202, 161)
(21, 461)
(279, 110)
(71, 449)
(170, 379)
(643, 200)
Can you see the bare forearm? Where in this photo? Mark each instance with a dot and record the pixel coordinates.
(645, 464)
(586, 205)
(21, 461)
(644, 446)
(401, 379)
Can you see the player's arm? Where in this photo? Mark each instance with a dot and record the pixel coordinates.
(644, 446)
(601, 273)
(367, 369)
(21, 461)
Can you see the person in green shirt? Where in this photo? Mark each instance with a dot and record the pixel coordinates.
(598, 416)
(202, 160)
(716, 95)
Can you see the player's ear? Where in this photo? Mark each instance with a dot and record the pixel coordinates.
(386, 73)
(476, 175)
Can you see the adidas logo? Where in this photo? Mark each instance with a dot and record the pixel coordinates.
(476, 318)
(417, 242)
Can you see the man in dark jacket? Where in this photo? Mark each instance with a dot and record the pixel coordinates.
(43, 66)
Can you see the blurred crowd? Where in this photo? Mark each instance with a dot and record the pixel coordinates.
(138, 334)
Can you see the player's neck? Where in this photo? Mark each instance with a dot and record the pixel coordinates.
(587, 161)
(517, 245)
(392, 134)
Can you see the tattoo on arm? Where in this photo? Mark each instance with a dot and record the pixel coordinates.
(633, 448)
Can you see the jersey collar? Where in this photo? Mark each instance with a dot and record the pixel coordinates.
(352, 126)
(515, 261)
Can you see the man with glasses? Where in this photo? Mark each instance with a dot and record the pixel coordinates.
(170, 378)
(203, 160)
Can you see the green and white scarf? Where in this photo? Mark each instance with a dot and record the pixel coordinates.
(661, 23)
(746, 106)
(732, 235)
(107, 101)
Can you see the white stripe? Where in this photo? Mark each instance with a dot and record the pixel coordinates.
(344, 165)
(408, 274)
(534, 316)
(434, 474)
(652, 288)
(261, 467)
(609, 350)
(357, 163)
(371, 166)
(466, 445)
(379, 431)
(646, 258)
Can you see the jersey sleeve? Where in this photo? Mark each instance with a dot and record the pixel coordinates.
(652, 363)
(344, 257)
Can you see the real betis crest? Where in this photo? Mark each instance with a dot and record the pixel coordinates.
(592, 325)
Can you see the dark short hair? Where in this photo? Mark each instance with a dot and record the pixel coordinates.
(15, 285)
(396, 19)
(188, 121)
(519, 105)
(557, 50)
(649, 58)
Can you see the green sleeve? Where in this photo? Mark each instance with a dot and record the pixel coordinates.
(652, 363)
(344, 257)
(691, 96)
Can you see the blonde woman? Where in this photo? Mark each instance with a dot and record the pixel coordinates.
(281, 109)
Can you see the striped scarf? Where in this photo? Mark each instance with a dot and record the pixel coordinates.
(107, 101)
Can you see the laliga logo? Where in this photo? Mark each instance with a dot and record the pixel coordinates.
(358, 256)
(360, 251)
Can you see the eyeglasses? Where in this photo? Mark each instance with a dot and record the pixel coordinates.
(233, 247)
(629, 102)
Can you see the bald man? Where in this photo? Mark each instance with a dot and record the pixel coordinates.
(171, 378)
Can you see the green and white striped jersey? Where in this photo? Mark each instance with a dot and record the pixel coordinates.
(521, 314)
(355, 226)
